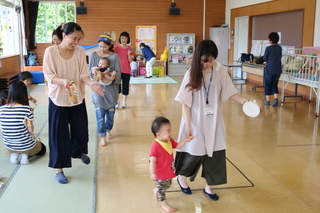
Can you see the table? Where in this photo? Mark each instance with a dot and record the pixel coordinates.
(231, 67)
(256, 69)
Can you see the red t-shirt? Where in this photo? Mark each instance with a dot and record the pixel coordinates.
(123, 55)
(164, 162)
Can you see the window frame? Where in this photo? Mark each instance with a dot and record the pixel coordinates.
(55, 24)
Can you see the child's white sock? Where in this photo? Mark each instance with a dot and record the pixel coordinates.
(24, 159)
(14, 158)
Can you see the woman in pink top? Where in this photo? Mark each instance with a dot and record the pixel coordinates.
(68, 122)
(126, 56)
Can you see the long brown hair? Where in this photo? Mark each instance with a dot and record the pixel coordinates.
(205, 48)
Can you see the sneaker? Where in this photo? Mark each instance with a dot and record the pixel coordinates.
(124, 104)
(117, 106)
(267, 103)
(276, 102)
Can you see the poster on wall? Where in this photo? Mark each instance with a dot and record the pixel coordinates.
(6, 31)
(147, 35)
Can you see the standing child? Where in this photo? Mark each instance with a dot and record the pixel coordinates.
(134, 67)
(161, 159)
(26, 78)
(16, 119)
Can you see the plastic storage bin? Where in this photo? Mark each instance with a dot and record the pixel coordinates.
(142, 71)
(155, 70)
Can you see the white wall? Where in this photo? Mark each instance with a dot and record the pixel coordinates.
(230, 4)
(316, 39)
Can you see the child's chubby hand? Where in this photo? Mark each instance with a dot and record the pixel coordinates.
(95, 69)
(153, 177)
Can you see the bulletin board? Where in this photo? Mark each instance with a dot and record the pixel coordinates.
(147, 35)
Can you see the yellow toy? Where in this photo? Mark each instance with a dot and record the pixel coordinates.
(164, 55)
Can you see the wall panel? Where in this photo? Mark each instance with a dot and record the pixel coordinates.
(125, 15)
(9, 64)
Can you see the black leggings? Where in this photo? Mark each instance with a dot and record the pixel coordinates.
(125, 84)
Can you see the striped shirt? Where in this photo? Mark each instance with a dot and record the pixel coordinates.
(14, 132)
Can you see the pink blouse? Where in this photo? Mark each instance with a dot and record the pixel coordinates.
(73, 69)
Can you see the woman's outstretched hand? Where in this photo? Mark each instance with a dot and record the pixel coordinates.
(95, 87)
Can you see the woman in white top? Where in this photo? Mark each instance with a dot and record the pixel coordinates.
(68, 122)
(204, 87)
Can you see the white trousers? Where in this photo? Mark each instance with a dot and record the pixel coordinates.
(149, 66)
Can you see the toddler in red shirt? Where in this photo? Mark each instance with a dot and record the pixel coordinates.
(161, 159)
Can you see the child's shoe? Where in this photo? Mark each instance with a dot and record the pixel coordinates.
(276, 102)
(267, 103)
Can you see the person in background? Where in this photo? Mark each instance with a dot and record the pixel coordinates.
(272, 60)
(205, 86)
(134, 67)
(105, 105)
(125, 54)
(65, 64)
(161, 159)
(16, 121)
(26, 78)
(56, 38)
(148, 58)
(4, 97)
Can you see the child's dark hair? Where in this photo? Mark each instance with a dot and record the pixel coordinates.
(18, 93)
(3, 97)
(157, 123)
(134, 59)
(125, 34)
(143, 45)
(25, 75)
(67, 28)
(274, 37)
(105, 59)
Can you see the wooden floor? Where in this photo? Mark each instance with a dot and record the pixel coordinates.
(273, 160)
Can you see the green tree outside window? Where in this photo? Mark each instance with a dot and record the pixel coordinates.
(50, 16)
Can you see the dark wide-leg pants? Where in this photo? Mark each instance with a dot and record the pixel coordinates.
(68, 134)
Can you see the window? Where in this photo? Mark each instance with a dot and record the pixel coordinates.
(9, 29)
(50, 16)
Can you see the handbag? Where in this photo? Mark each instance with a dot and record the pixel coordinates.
(246, 57)
(260, 60)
